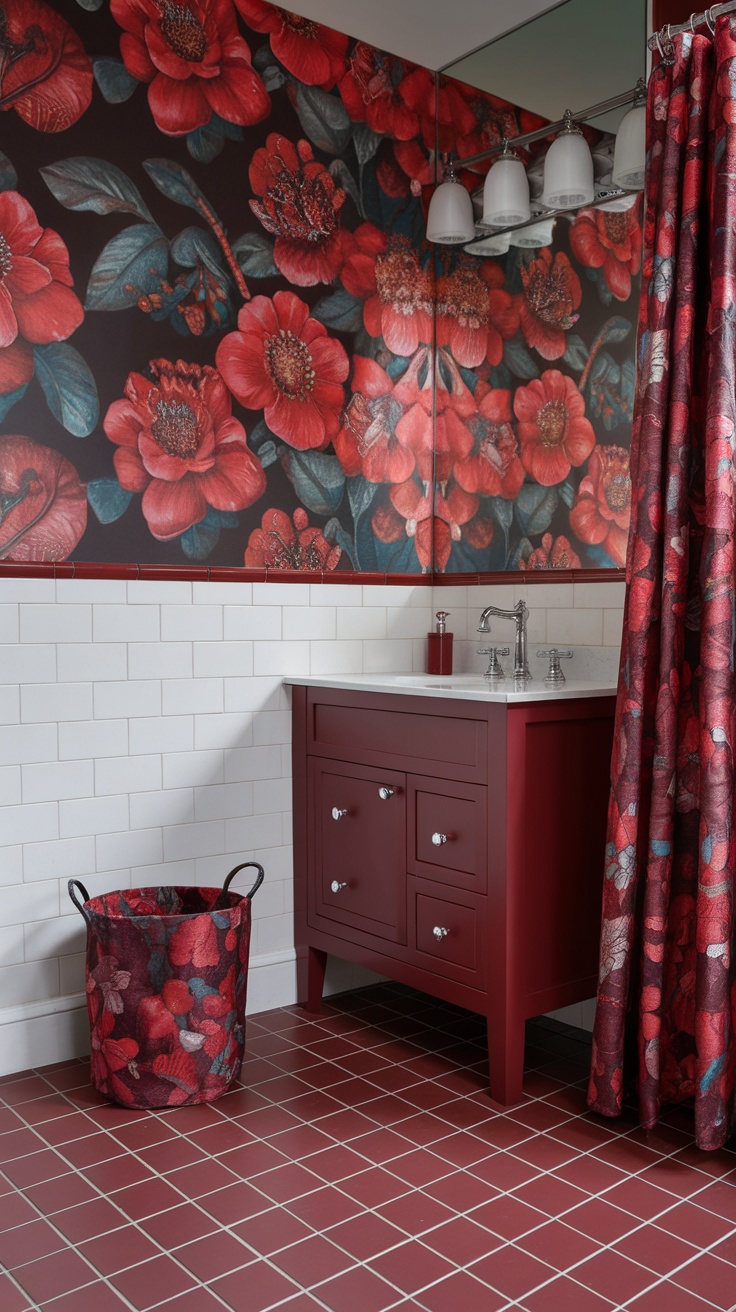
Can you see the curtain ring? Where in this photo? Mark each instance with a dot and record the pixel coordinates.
(666, 51)
(708, 16)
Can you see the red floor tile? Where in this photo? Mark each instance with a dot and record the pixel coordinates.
(234, 1203)
(461, 1241)
(512, 1271)
(509, 1218)
(558, 1244)
(88, 1219)
(411, 1266)
(364, 1236)
(710, 1278)
(374, 1187)
(29, 1242)
(656, 1248)
(118, 1249)
(146, 1199)
(263, 1288)
(565, 1295)
(179, 1225)
(325, 1207)
(667, 1297)
(460, 1291)
(271, 1230)
(601, 1221)
(66, 1191)
(153, 1281)
(461, 1191)
(358, 1290)
(312, 1260)
(12, 1299)
(195, 1300)
(213, 1256)
(614, 1276)
(695, 1224)
(414, 1212)
(57, 1274)
(97, 1297)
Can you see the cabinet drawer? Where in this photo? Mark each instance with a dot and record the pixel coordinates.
(449, 935)
(411, 734)
(359, 837)
(447, 832)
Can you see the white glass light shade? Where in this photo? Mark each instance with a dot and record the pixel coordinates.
(450, 218)
(629, 156)
(496, 243)
(535, 235)
(506, 193)
(619, 205)
(568, 172)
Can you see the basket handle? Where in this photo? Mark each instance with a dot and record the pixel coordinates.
(233, 873)
(73, 885)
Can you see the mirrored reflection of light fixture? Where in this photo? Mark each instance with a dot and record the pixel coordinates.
(534, 235)
(568, 169)
(629, 156)
(450, 217)
(618, 205)
(506, 191)
(496, 244)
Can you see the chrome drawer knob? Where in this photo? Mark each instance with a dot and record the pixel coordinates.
(335, 887)
(384, 793)
(440, 932)
(338, 812)
(439, 839)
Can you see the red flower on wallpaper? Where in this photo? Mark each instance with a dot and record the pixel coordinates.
(371, 93)
(553, 430)
(37, 304)
(601, 511)
(313, 53)
(387, 274)
(43, 503)
(493, 468)
(284, 363)
(444, 114)
(45, 72)
(609, 240)
(552, 554)
(284, 543)
(453, 405)
(496, 121)
(552, 294)
(474, 313)
(179, 445)
(194, 60)
(410, 514)
(370, 441)
(300, 204)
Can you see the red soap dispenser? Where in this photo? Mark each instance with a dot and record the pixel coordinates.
(439, 647)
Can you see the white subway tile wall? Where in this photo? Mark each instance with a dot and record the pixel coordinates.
(146, 734)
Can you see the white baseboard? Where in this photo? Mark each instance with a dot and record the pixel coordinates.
(41, 1033)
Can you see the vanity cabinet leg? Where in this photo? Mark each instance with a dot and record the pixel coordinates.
(310, 967)
(506, 1060)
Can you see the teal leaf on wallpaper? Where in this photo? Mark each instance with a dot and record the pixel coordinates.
(519, 360)
(567, 493)
(204, 146)
(339, 170)
(273, 77)
(254, 253)
(501, 377)
(318, 479)
(202, 538)
(324, 119)
(334, 532)
(69, 387)
(576, 354)
(8, 175)
(604, 291)
(108, 499)
(361, 495)
(267, 454)
(535, 505)
(397, 365)
(611, 392)
(174, 182)
(8, 401)
(193, 246)
(522, 551)
(85, 183)
(340, 310)
(131, 264)
(115, 82)
(366, 142)
(502, 511)
(614, 331)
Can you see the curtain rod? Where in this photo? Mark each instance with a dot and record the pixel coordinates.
(582, 116)
(708, 17)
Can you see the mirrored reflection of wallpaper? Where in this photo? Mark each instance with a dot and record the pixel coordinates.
(218, 314)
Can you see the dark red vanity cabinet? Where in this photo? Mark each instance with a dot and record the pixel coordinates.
(456, 846)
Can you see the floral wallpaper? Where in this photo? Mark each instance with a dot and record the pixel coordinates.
(225, 341)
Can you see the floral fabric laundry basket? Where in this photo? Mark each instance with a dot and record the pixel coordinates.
(167, 971)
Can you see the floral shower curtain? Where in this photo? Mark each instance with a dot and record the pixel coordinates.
(666, 991)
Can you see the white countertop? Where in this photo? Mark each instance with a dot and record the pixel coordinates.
(463, 687)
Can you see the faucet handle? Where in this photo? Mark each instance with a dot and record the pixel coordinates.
(494, 670)
(555, 655)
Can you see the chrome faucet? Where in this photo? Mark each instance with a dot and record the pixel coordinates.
(519, 615)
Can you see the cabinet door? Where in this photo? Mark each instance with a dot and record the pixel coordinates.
(358, 875)
(447, 832)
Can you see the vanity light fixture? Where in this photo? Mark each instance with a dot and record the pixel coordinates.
(506, 191)
(569, 177)
(629, 156)
(450, 218)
